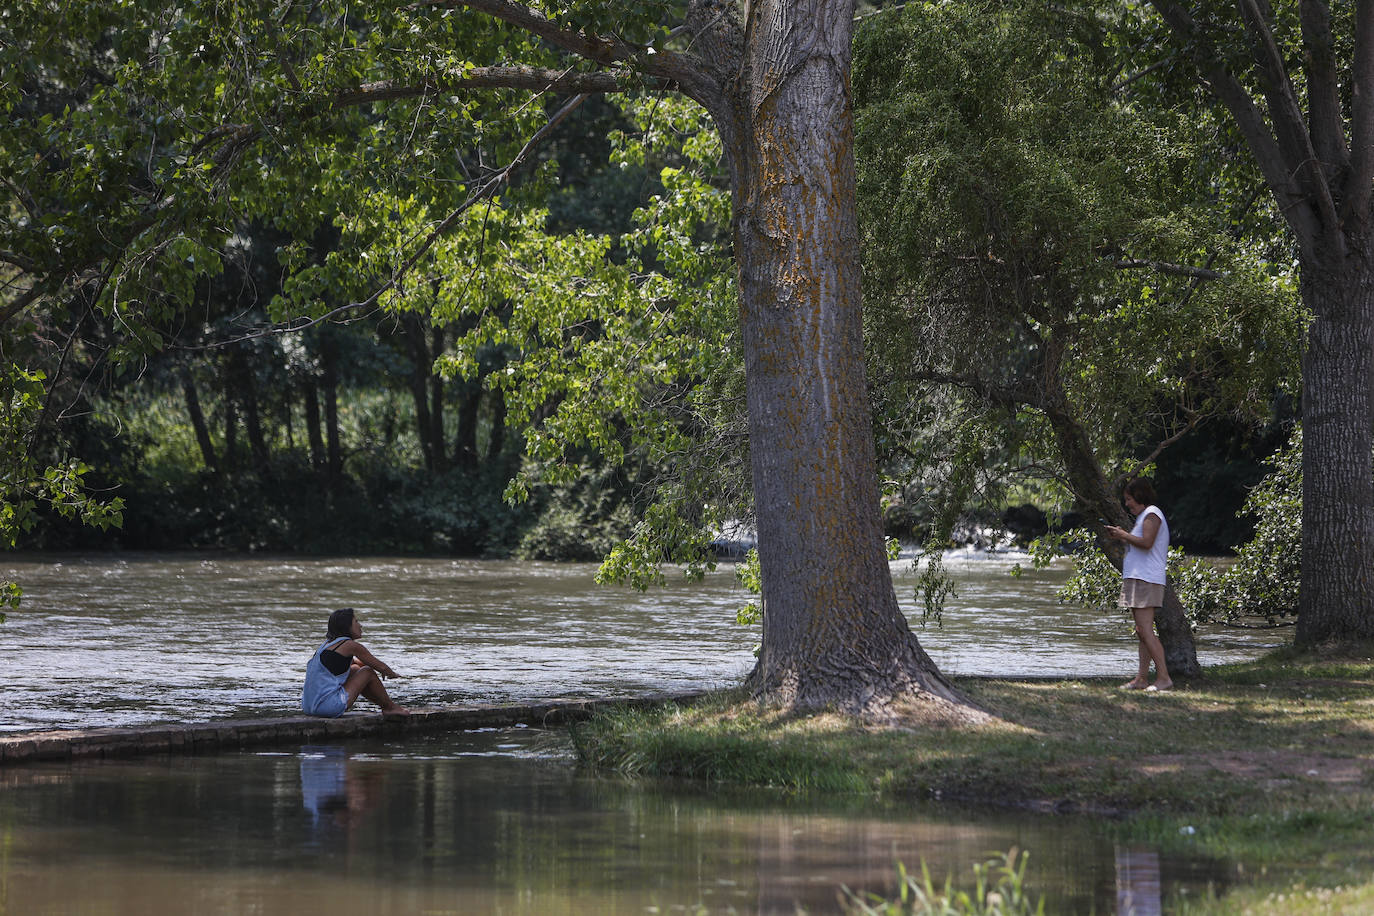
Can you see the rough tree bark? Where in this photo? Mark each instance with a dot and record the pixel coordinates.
(833, 633)
(1337, 592)
(1317, 156)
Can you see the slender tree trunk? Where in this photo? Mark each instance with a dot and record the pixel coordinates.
(312, 423)
(421, 365)
(465, 436)
(329, 358)
(833, 633)
(198, 425)
(231, 419)
(1337, 591)
(496, 439)
(242, 364)
(1101, 498)
(436, 400)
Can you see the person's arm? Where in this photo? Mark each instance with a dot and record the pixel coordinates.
(361, 655)
(1145, 540)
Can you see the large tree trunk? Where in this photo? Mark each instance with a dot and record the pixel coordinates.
(833, 633)
(1337, 594)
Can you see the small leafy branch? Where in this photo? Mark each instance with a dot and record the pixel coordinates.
(24, 486)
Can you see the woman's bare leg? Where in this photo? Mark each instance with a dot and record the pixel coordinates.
(367, 682)
(1150, 648)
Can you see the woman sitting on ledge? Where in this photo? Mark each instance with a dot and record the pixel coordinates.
(342, 668)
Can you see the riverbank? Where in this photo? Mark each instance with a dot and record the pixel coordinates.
(1268, 763)
(224, 734)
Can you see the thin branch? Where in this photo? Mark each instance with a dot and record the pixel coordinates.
(1122, 84)
(680, 69)
(1193, 420)
(1176, 270)
(20, 304)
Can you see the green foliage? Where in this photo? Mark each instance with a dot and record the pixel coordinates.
(582, 519)
(25, 485)
(1262, 582)
(999, 889)
(1030, 238)
(934, 585)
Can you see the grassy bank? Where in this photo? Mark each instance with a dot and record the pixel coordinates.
(1269, 764)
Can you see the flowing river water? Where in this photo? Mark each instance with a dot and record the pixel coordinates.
(494, 821)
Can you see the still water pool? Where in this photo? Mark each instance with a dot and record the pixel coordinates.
(499, 822)
(125, 640)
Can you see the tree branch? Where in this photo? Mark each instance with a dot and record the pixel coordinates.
(1323, 86)
(1286, 112)
(605, 51)
(1176, 270)
(20, 304)
(485, 191)
(1293, 201)
(533, 79)
(1355, 205)
(1002, 395)
(682, 70)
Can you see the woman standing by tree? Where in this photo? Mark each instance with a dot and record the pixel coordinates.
(1142, 579)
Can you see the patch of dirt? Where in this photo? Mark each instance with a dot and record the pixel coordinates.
(1267, 768)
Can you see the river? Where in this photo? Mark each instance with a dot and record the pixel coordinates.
(493, 821)
(141, 639)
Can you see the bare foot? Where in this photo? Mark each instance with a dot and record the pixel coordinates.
(396, 710)
(1134, 684)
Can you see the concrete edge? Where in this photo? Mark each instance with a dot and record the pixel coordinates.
(20, 748)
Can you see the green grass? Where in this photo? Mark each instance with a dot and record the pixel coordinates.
(1269, 764)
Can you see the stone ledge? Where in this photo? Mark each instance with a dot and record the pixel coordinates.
(199, 737)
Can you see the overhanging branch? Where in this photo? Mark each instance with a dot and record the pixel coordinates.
(485, 191)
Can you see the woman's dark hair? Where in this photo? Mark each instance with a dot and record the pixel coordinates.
(340, 623)
(1141, 490)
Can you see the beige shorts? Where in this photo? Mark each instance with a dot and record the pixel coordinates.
(1139, 593)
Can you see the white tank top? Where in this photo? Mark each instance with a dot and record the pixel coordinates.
(1149, 565)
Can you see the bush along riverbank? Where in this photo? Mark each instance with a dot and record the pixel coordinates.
(1269, 764)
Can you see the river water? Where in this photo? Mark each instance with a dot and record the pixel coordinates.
(125, 640)
(495, 821)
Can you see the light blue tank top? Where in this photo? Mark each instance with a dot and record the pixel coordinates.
(324, 694)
